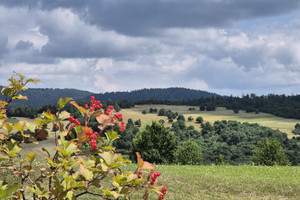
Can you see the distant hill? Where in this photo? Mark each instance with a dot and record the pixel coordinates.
(39, 97)
(169, 94)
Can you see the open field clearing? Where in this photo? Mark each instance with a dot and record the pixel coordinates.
(264, 119)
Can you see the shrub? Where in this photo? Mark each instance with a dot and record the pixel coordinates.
(155, 143)
(83, 164)
(269, 152)
(189, 154)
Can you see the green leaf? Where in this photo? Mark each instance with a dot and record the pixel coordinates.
(107, 192)
(41, 122)
(112, 135)
(49, 115)
(8, 127)
(6, 191)
(70, 195)
(80, 108)
(20, 97)
(33, 80)
(62, 102)
(72, 148)
(86, 173)
(31, 156)
(3, 159)
(63, 115)
(30, 126)
(108, 157)
(63, 152)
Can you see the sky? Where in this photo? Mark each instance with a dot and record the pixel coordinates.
(229, 47)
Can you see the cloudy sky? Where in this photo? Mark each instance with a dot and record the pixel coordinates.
(222, 46)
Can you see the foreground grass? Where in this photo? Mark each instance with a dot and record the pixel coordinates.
(264, 119)
(226, 182)
(230, 182)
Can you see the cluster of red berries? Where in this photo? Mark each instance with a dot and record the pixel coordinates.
(94, 104)
(118, 116)
(110, 108)
(122, 126)
(72, 119)
(164, 193)
(93, 138)
(153, 178)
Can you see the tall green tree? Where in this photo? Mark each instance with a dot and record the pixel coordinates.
(269, 152)
(189, 154)
(155, 144)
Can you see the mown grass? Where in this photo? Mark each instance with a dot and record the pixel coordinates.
(226, 182)
(264, 119)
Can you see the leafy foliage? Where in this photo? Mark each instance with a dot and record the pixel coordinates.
(189, 154)
(83, 162)
(155, 143)
(269, 152)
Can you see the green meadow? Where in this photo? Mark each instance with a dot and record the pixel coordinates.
(264, 119)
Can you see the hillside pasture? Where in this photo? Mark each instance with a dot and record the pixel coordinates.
(263, 119)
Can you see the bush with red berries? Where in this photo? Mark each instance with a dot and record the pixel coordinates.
(83, 163)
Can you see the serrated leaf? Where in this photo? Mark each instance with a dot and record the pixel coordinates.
(63, 115)
(81, 133)
(70, 195)
(105, 120)
(41, 122)
(49, 115)
(96, 113)
(8, 127)
(120, 179)
(63, 152)
(80, 108)
(3, 159)
(108, 157)
(9, 190)
(143, 164)
(30, 126)
(20, 125)
(112, 135)
(107, 192)
(78, 185)
(86, 173)
(62, 102)
(72, 148)
(20, 97)
(33, 80)
(31, 156)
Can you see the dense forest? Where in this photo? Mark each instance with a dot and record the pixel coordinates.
(279, 105)
(232, 141)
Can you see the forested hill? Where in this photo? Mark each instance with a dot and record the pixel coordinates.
(168, 94)
(40, 97)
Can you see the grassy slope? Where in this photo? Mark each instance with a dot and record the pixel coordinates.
(264, 119)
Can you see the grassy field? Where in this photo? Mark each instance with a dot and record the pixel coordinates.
(227, 182)
(210, 182)
(264, 119)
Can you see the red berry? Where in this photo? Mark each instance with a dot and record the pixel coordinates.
(161, 196)
(107, 112)
(152, 183)
(165, 192)
(97, 106)
(91, 137)
(139, 176)
(164, 189)
(92, 98)
(122, 122)
(140, 172)
(153, 178)
(86, 106)
(93, 105)
(111, 107)
(95, 137)
(71, 118)
(95, 133)
(100, 105)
